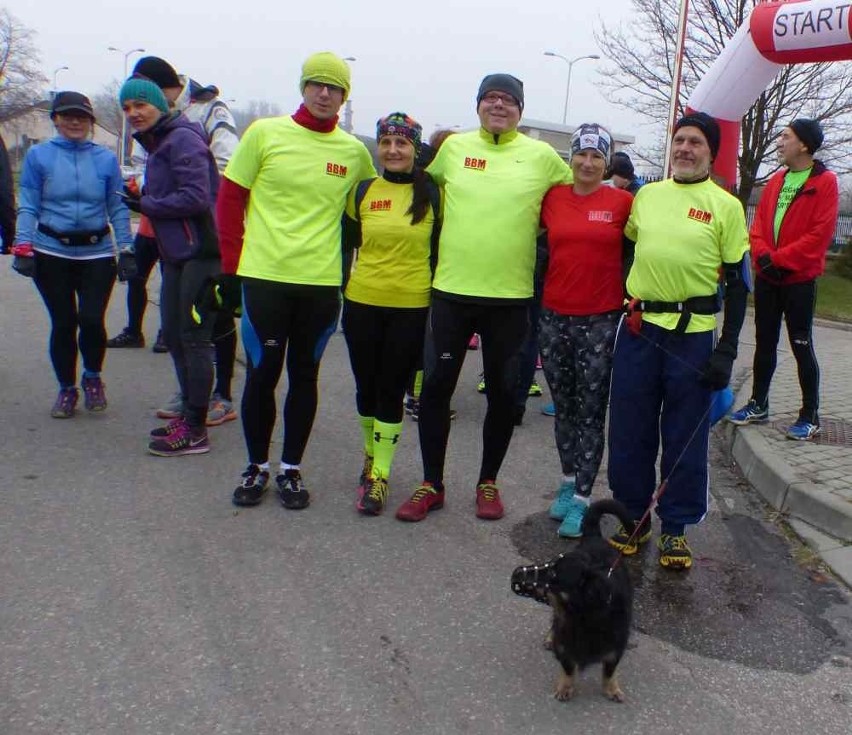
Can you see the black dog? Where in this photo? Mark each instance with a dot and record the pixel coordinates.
(592, 602)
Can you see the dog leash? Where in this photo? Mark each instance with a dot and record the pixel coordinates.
(658, 493)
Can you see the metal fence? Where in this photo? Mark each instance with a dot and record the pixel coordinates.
(842, 231)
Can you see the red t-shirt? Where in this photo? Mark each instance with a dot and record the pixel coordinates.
(584, 237)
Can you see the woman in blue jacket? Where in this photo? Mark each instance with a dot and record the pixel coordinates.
(181, 182)
(68, 199)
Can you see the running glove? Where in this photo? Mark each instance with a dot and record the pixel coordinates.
(717, 370)
(764, 262)
(126, 265)
(131, 200)
(24, 259)
(229, 293)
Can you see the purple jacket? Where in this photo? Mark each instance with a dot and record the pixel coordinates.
(181, 183)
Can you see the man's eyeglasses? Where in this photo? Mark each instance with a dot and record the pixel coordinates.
(492, 98)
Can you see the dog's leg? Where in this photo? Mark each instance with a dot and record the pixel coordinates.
(565, 682)
(611, 690)
(548, 640)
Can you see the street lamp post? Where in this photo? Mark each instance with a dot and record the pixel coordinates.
(55, 73)
(347, 106)
(122, 142)
(570, 63)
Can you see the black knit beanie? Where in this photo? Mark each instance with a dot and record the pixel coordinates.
(809, 132)
(707, 125)
(158, 71)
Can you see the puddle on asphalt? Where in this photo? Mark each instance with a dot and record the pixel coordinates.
(745, 599)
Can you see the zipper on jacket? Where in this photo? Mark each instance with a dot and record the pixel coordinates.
(188, 230)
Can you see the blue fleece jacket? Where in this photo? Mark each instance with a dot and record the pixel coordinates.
(71, 186)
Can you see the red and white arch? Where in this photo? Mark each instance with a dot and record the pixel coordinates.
(776, 33)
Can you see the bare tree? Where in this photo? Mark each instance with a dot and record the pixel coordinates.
(107, 109)
(21, 79)
(256, 109)
(639, 78)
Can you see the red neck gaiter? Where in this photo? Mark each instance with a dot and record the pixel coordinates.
(307, 120)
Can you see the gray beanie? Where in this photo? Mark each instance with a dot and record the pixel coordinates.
(502, 83)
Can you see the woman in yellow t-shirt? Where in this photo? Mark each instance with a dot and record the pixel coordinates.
(393, 221)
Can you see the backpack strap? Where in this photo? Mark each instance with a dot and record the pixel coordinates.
(435, 200)
(360, 193)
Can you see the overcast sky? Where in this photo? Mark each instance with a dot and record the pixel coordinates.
(425, 59)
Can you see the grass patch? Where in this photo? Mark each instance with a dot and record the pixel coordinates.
(834, 295)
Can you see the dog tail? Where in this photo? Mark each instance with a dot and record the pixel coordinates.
(600, 508)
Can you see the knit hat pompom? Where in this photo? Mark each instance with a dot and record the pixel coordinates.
(326, 68)
(398, 123)
(138, 88)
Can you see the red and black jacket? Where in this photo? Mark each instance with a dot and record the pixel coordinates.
(806, 231)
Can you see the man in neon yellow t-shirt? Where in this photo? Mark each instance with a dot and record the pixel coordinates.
(494, 180)
(667, 361)
(288, 180)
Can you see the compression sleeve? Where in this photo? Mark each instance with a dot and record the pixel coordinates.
(230, 217)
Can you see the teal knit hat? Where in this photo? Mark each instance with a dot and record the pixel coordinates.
(139, 88)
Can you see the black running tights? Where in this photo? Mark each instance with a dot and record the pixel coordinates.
(76, 294)
(502, 328)
(795, 303)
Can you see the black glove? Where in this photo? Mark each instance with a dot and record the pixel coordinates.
(764, 262)
(25, 265)
(229, 293)
(717, 370)
(126, 266)
(131, 201)
(24, 260)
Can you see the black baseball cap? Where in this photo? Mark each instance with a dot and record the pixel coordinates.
(64, 102)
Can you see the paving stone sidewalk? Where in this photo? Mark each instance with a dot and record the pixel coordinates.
(811, 481)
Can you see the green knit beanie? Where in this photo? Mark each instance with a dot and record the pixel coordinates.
(327, 68)
(137, 88)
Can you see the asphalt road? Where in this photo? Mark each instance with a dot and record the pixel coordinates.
(134, 598)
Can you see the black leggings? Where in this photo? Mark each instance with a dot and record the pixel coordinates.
(76, 294)
(502, 329)
(385, 345)
(224, 331)
(145, 249)
(796, 304)
(188, 340)
(281, 318)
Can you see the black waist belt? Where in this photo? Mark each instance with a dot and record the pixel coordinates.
(75, 237)
(686, 308)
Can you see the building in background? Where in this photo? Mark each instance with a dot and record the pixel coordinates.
(35, 126)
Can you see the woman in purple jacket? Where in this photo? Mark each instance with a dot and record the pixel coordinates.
(181, 182)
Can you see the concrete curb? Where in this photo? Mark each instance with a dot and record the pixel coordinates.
(781, 487)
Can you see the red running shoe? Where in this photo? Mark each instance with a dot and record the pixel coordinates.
(488, 504)
(417, 507)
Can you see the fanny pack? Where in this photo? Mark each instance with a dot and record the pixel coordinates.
(76, 238)
(686, 308)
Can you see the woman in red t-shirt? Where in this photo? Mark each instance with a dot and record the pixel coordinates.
(582, 303)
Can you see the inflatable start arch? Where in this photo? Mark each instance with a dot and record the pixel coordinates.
(776, 33)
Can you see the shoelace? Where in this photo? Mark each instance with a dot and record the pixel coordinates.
(378, 490)
(421, 492)
(251, 474)
(676, 543)
(489, 491)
